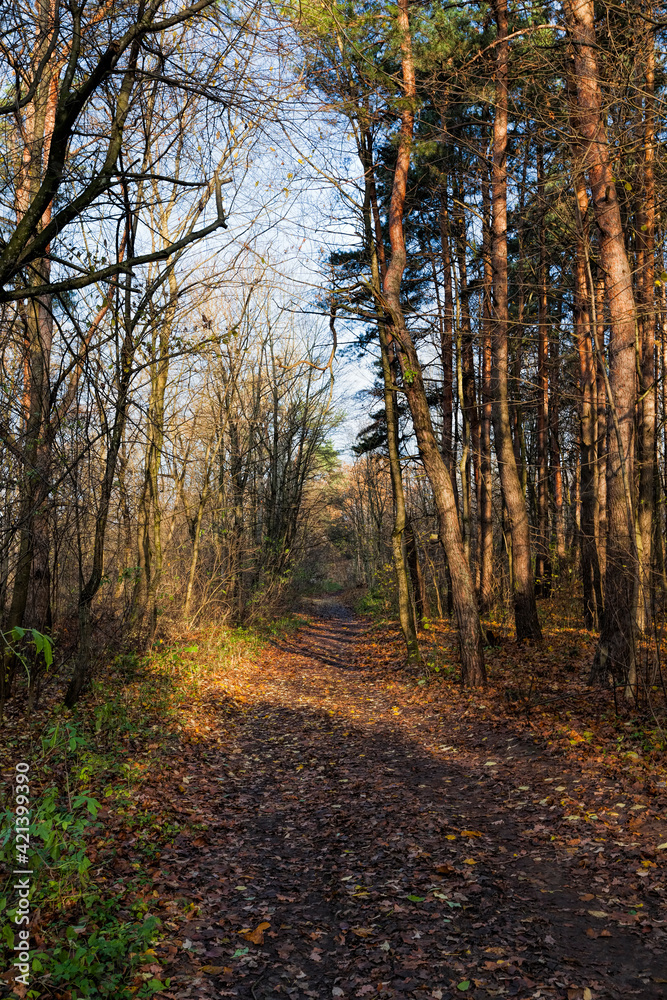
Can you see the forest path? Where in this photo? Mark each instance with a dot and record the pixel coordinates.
(359, 845)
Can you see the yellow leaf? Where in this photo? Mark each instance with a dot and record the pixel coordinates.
(470, 833)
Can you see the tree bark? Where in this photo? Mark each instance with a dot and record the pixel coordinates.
(486, 484)
(646, 437)
(590, 567)
(470, 633)
(542, 561)
(375, 246)
(525, 609)
(615, 653)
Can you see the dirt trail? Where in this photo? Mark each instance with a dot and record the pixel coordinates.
(373, 849)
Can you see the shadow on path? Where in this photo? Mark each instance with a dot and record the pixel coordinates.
(376, 865)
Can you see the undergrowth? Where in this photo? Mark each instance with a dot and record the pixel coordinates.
(92, 930)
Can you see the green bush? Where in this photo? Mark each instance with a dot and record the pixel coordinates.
(371, 603)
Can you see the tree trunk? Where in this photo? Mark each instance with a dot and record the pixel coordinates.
(470, 632)
(523, 590)
(406, 608)
(447, 338)
(584, 336)
(417, 577)
(555, 466)
(646, 437)
(600, 425)
(486, 484)
(615, 653)
(590, 568)
(542, 561)
(88, 590)
(467, 390)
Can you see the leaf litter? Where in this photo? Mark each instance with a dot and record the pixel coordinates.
(327, 825)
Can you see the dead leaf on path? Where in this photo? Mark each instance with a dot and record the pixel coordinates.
(362, 932)
(256, 936)
(471, 833)
(587, 896)
(213, 970)
(591, 933)
(600, 914)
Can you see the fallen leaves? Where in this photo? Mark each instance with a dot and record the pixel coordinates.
(332, 829)
(256, 936)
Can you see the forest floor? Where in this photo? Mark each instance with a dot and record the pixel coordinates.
(363, 841)
(350, 829)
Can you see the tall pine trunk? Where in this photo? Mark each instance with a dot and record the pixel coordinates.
(375, 245)
(523, 589)
(470, 632)
(486, 484)
(615, 653)
(646, 438)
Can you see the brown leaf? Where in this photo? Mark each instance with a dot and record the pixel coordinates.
(257, 936)
(362, 932)
(591, 933)
(586, 898)
(213, 970)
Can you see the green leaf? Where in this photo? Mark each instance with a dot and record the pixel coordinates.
(465, 985)
(239, 952)
(417, 899)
